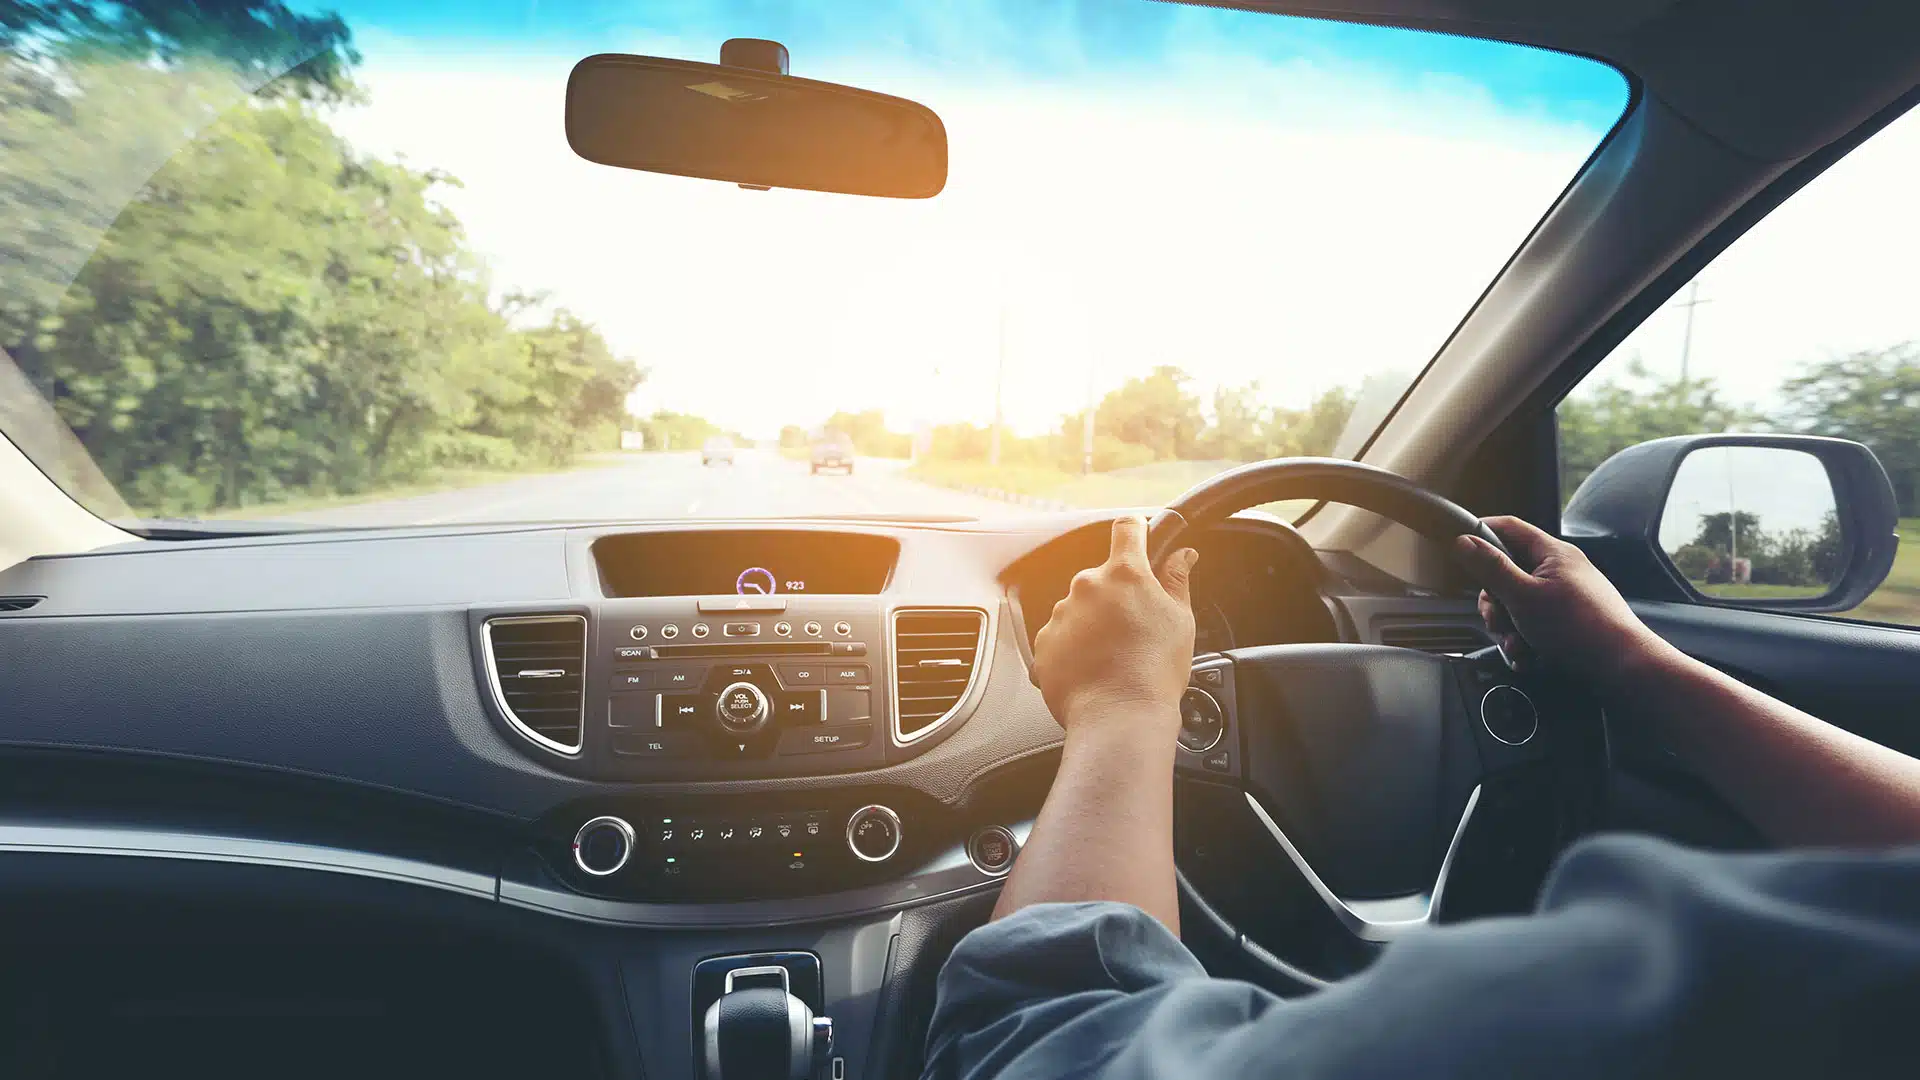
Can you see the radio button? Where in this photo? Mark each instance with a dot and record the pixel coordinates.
(845, 705)
(798, 708)
(820, 740)
(742, 710)
(677, 678)
(700, 630)
(812, 629)
(849, 648)
(669, 631)
(651, 744)
(633, 710)
(627, 654)
(783, 629)
(631, 680)
(723, 674)
(848, 674)
(843, 628)
(803, 674)
(679, 710)
(741, 629)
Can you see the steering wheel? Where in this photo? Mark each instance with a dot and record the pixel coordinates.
(1373, 770)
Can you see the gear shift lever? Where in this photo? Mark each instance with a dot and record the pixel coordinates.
(757, 1030)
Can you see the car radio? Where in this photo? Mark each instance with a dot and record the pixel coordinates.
(745, 685)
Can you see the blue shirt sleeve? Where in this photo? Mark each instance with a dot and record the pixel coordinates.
(1645, 959)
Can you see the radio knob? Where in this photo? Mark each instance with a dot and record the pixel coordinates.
(742, 709)
(873, 833)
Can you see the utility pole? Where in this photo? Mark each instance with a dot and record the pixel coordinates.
(999, 378)
(1686, 341)
(1086, 427)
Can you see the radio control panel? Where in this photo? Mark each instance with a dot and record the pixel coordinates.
(723, 686)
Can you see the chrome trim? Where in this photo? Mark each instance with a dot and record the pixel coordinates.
(637, 633)
(626, 833)
(762, 714)
(499, 692)
(1376, 920)
(212, 848)
(786, 977)
(899, 833)
(944, 875)
(1013, 850)
(1531, 707)
(982, 660)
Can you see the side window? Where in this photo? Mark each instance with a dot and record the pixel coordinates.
(1809, 323)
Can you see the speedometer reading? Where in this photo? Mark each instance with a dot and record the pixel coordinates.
(756, 581)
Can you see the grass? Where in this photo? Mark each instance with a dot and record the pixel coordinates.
(438, 480)
(1760, 592)
(1897, 600)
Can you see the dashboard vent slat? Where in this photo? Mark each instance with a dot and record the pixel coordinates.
(18, 603)
(1445, 639)
(538, 668)
(936, 655)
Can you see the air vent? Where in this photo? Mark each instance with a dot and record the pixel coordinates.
(18, 603)
(1448, 639)
(935, 655)
(537, 665)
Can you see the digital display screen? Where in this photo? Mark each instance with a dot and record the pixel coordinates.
(715, 562)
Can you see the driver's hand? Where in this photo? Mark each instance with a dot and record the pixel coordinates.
(1120, 646)
(1564, 608)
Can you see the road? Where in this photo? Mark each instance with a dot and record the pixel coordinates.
(760, 484)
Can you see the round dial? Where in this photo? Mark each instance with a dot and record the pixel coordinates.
(755, 581)
(741, 709)
(603, 845)
(873, 833)
(1202, 722)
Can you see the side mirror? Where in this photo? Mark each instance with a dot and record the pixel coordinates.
(1779, 522)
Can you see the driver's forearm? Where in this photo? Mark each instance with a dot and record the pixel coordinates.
(1800, 779)
(1106, 831)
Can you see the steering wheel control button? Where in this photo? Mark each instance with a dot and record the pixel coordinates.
(1218, 761)
(823, 740)
(1509, 715)
(991, 850)
(812, 629)
(803, 674)
(1202, 722)
(700, 630)
(638, 633)
(742, 709)
(603, 845)
(873, 833)
(843, 628)
(1211, 677)
(669, 632)
(802, 708)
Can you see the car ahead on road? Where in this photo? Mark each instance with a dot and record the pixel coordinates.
(833, 451)
(717, 451)
(524, 782)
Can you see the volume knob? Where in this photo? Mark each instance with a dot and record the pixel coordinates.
(742, 710)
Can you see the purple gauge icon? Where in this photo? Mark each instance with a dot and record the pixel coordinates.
(754, 581)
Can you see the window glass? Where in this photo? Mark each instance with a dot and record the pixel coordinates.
(1809, 323)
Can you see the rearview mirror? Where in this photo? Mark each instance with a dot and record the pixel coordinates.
(754, 128)
(1790, 522)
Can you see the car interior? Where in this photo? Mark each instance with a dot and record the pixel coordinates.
(542, 797)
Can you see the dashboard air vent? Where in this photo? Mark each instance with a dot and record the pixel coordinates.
(538, 664)
(18, 603)
(1448, 639)
(935, 655)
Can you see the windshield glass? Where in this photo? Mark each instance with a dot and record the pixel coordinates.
(337, 265)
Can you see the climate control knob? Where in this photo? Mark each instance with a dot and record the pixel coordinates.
(603, 845)
(742, 710)
(873, 833)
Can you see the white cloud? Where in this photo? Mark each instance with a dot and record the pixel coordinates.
(1299, 225)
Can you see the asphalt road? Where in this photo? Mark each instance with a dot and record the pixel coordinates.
(759, 484)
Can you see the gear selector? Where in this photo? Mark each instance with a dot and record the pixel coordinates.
(758, 1029)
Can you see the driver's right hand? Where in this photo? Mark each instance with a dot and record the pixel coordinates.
(1564, 609)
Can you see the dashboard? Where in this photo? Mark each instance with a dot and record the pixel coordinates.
(700, 731)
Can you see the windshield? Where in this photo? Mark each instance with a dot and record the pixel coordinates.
(337, 265)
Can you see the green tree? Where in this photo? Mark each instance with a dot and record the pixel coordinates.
(1610, 416)
(1157, 412)
(868, 430)
(1872, 397)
